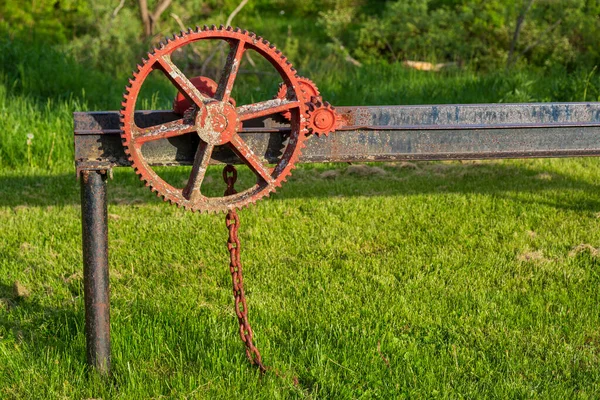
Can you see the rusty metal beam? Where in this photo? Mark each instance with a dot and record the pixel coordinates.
(383, 133)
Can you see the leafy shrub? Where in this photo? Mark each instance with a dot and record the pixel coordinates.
(475, 32)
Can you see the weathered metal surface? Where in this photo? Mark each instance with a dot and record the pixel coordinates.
(470, 116)
(322, 117)
(232, 221)
(308, 90)
(95, 269)
(387, 133)
(214, 120)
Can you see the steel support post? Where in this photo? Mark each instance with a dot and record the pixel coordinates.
(95, 269)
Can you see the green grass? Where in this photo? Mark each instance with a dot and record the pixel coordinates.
(465, 276)
(427, 280)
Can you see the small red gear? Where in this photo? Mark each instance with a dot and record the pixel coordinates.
(322, 118)
(215, 120)
(308, 89)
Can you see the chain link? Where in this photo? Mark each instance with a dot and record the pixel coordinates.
(232, 221)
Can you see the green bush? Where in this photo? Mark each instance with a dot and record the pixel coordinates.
(474, 32)
(47, 20)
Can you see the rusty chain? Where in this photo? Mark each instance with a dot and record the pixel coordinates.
(232, 221)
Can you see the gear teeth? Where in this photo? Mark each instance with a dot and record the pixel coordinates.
(319, 107)
(295, 144)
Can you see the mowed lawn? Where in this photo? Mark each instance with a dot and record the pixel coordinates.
(406, 280)
(450, 279)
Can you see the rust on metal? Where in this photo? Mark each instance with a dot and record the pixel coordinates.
(95, 269)
(383, 133)
(308, 89)
(232, 221)
(214, 120)
(322, 118)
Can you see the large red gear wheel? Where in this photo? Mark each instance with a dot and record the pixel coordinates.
(215, 120)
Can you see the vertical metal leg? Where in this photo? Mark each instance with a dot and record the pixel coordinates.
(95, 269)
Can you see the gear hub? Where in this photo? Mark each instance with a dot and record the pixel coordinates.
(322, 118)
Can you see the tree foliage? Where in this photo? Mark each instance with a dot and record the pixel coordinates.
(48, 20)
(475, 33)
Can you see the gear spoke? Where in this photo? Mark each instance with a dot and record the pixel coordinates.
(268, 107)
(201, 160)
(206, 108)
(181, 82)
(247, 155)
(163, 131)
(234, 59)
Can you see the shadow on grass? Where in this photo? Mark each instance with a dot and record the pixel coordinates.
(496, 179)
(41, 328)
